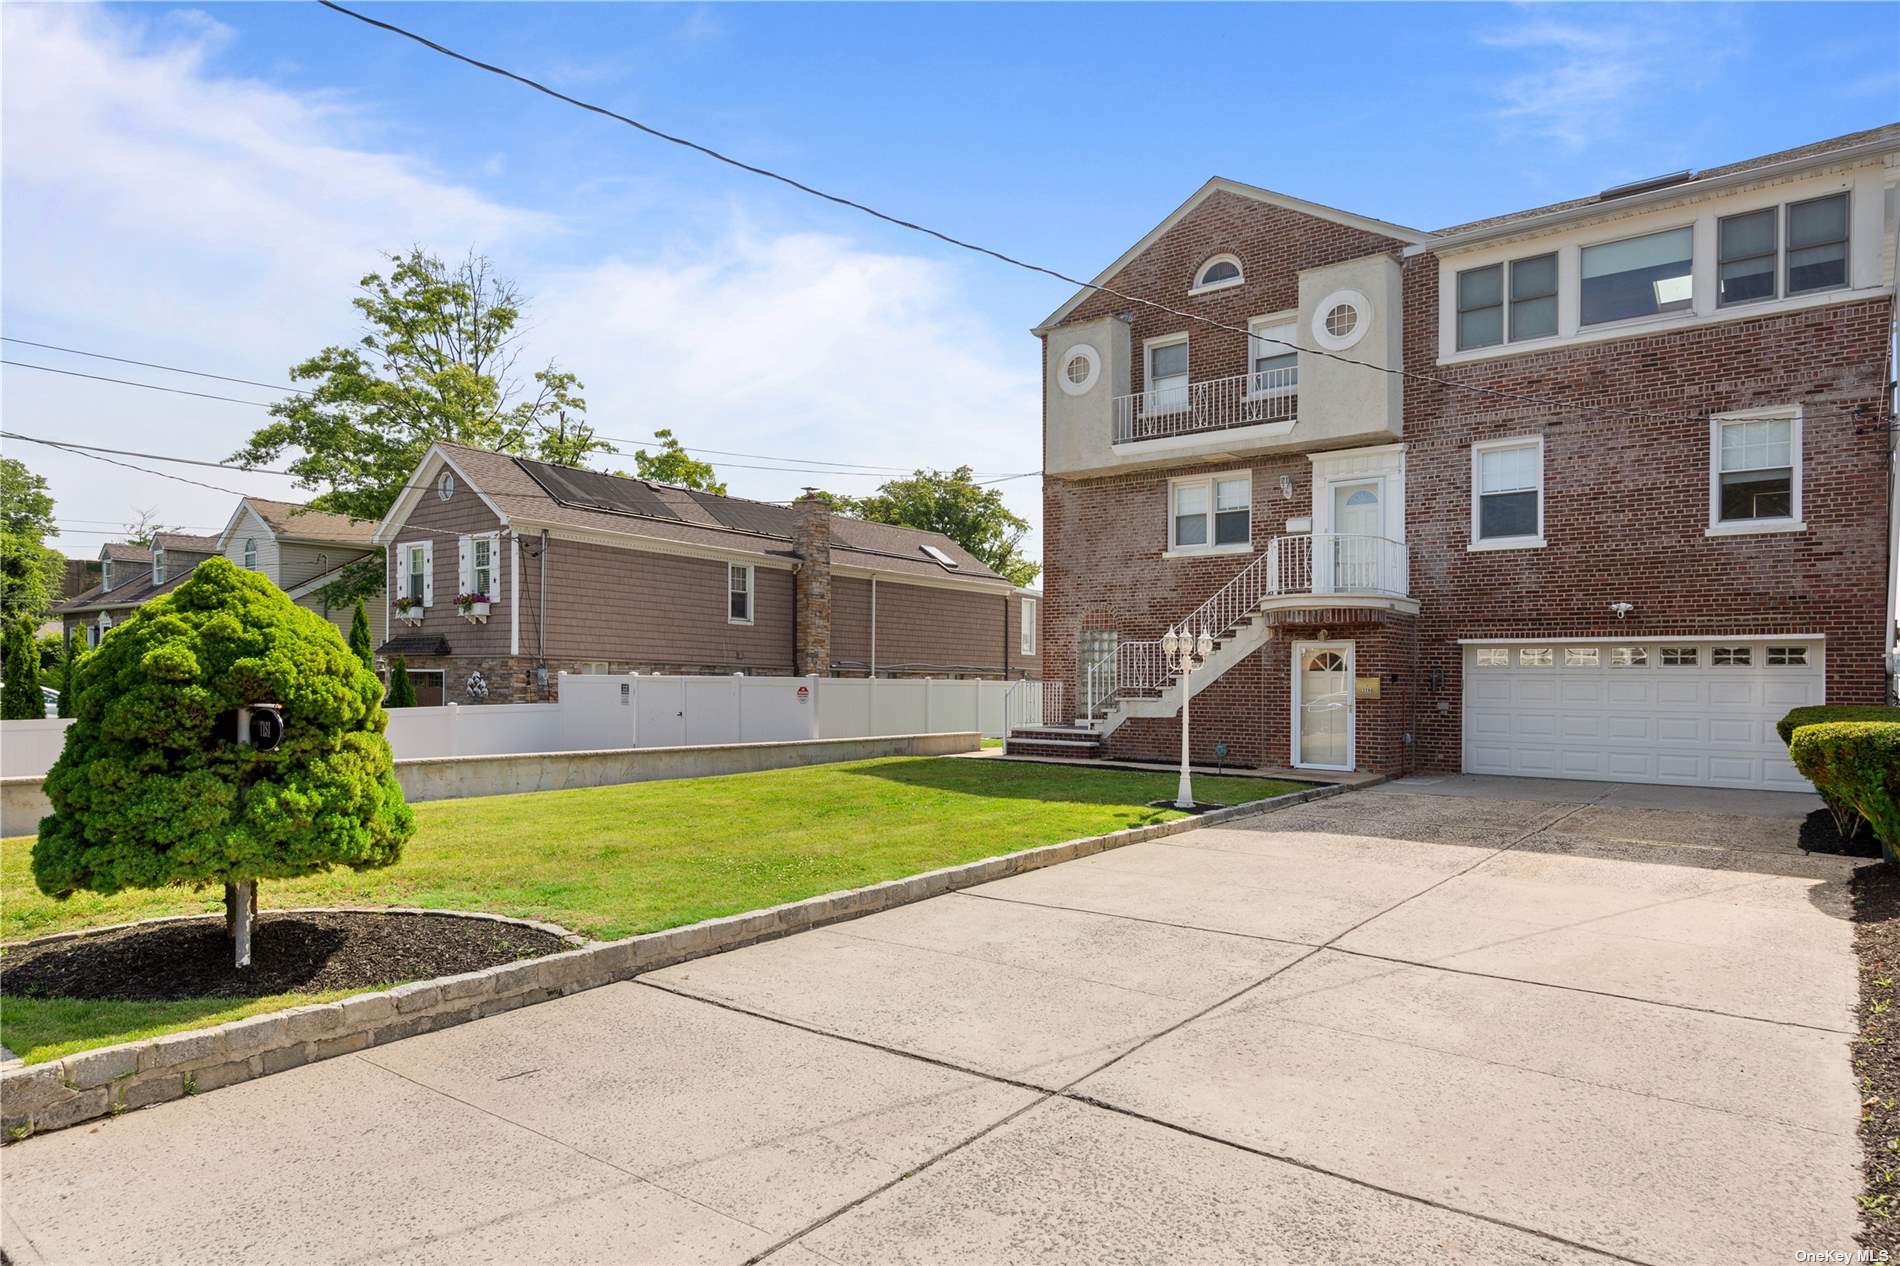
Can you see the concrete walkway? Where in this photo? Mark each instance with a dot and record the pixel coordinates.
(1453, 1021)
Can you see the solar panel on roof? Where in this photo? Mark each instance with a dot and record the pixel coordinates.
(591, 490)
(745, 516)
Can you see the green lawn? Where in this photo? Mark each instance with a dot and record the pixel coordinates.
(614, 861)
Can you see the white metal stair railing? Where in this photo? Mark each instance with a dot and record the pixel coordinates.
(1306, 563)
(1034, 703)
(1271, 395)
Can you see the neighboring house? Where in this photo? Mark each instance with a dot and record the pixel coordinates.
(302, 551)
(578, 571)
(129, 575)
(1596, 490)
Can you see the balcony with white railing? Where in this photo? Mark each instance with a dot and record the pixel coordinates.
(1218, 404)
(1316, 565)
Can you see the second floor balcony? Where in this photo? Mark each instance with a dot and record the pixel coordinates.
(1169, 409)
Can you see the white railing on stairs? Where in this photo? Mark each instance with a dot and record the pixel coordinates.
(1032, 703)
(1315, 563)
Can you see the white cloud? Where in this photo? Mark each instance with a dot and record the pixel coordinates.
(159, 209)
(1588, 72)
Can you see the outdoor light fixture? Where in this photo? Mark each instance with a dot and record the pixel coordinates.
(1185, 652)
(1622, 609)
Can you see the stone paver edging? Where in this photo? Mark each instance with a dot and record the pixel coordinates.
(113, 1079)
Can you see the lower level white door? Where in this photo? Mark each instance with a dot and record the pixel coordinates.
(1695, 713)
(1322, 705)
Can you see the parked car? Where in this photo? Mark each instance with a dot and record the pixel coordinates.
(51, 696)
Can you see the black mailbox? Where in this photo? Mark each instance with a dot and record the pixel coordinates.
(263, 726)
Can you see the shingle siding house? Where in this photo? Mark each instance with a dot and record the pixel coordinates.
(1597, 490)
(128, 576)
(586, 572)
(302, 551)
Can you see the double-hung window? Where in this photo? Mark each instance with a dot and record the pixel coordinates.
(1755, 472)
(158, 565)
(1817, 244)
(1507, 302)
(738, 593)
(1745, 250)
(416, 582)
(1167, 375)
(478, 564)
(1211, 512)
(1507, 493)
(1273, 364)
(1638, 276)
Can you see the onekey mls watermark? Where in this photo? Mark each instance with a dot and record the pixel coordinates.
(1843, 1255)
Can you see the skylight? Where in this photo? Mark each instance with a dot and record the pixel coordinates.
(938, 557)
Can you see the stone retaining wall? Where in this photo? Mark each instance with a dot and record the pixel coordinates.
(115, 1079)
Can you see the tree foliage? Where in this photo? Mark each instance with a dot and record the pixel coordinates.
(361, 642)
(144, 528)
(402, 691)
(951, 502)
(437, 361)
(1855, 764)
(29, 568)
(672, 464)
(20, 697)
(152, 791)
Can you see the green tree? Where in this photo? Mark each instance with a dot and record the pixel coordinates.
(360, 640)
(29, 569)
(152, 789)
(672, 464)
(68, 670)
(402, 691)
(20, 697)
(951, 502)
(569, 441)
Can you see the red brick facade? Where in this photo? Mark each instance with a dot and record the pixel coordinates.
(1626, 507)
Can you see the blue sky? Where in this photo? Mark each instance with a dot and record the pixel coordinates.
(202, 186)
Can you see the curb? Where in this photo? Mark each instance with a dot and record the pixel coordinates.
(110, 1080)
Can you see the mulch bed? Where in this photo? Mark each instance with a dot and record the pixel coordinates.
(1877, 1052)
(291, 952)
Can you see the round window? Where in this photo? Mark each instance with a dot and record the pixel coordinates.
(1081, 366)
(445, 486)
(1341, 319)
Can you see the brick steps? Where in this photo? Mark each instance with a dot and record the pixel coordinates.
(1068, 741)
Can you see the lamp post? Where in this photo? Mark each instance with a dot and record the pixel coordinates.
(1185, 653)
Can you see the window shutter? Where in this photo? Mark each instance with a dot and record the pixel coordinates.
(428, 573)
(464, 565)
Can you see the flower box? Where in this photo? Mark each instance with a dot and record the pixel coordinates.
(410, 613)
(473, 606)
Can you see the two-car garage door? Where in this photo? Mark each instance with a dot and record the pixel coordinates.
(1700, 713)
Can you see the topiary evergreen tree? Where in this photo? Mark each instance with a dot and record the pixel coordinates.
(153, 789)
(402, 691)
(68, 668)
(20, 697)
(360, 640)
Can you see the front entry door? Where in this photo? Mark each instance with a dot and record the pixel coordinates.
(1322, 705)
(1357, 523)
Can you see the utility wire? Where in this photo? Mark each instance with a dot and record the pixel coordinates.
(148, 364)
(127, 382)
(1496, 393)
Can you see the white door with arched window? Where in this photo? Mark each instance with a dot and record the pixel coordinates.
(1358, 523)
(1322, 705)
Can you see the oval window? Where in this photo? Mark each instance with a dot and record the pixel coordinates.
(1218, 271)
(445, 486)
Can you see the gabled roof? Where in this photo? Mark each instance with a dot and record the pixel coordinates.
(1872, 141)
(124, 552)
(290, 521)
(184, 543)
(1220, 184)
(129, 592)
(528, 495)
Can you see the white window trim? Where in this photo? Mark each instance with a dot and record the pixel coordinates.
(1282, 326)
(250, 553)
(1148, 349)
(1362, 320)
(428, 570)
(1202, 551)
(1535, 541)
(751, 593)
(1755, 527)
(158, 566)
(105, 575)
(1697, 249)
(1195, 288)
(1026, 615)
(1088, 353)
(465, 570)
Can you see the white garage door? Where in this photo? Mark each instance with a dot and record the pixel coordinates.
(1687, 712)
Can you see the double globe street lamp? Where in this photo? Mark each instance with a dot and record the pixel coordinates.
(1184, 653)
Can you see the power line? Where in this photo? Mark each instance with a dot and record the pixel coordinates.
(767, 173)
(153, 457)
(149, 364)
(127, 382)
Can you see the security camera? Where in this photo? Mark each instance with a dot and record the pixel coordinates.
(1622, 609)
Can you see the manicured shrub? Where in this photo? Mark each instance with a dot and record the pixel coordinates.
(360, 640)
(1856, 763)
(153, 790)
(20, 697)
(1847, 818)
(402, 691)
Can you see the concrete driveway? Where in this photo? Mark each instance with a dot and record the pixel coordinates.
(1459, 1019)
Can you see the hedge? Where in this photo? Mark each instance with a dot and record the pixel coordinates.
(1852, 755)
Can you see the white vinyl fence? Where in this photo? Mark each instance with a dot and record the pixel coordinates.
(603, 712)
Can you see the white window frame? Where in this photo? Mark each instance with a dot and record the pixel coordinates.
(408, 552)
(1210, 483)
(105, 575)
(1534, 541)
(1149, 403)
(250, 553)
(1240, 278)
(158, 565)
(1284, 329)
(1026, 618)
(751, 593)
(1697, 252)
(1793, 521)
(465, 578)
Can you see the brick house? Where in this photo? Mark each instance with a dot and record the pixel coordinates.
(589, 572)
(1596, 490)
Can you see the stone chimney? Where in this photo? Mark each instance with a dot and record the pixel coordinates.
(811, 540)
